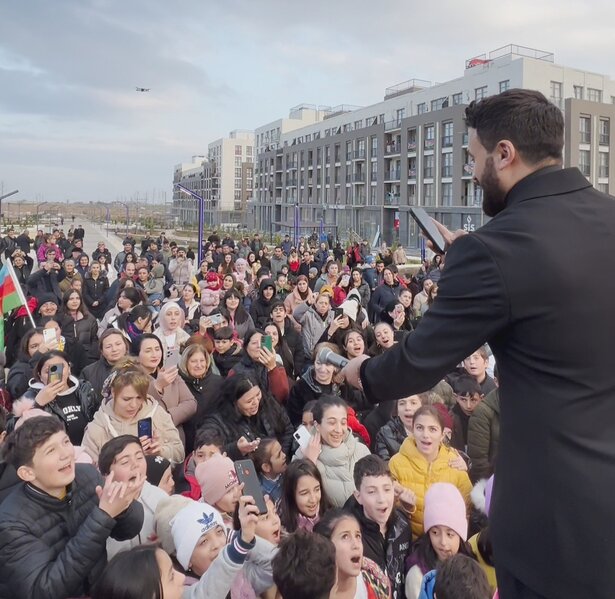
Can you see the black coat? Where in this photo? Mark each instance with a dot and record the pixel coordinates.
(36, 559)
(510, 284)
(389, 438)
(81, 340)
(96, 374)
(94, 290)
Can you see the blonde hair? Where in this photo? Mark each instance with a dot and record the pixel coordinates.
(128, 373)
(188, 352)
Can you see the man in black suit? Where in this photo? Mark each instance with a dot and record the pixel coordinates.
(511, 284)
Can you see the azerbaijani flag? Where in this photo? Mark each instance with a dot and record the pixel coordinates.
(11, 296)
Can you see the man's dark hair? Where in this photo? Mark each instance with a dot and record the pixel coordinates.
(370, 465)
(461, 577)
(21, 445)
(304, 566)
(525, 117)
(207, 436)
(224, 333)
(3, 419)
(111, 449)
(262, 271)
(465, 384)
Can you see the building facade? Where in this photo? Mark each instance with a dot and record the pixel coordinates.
(357, 171)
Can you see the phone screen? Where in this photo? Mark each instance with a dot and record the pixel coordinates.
(267, 342)
(428, 227)
(246, 473)
(144, 428)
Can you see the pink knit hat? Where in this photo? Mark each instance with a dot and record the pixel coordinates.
(216, 477)
(444, 506)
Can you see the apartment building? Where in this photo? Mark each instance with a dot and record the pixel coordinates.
(192, 176)
(358, 170)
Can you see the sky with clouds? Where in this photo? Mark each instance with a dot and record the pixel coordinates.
(73, 127)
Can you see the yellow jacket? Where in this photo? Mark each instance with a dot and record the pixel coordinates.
(414, 472)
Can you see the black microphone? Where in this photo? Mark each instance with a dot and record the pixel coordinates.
(326, 356)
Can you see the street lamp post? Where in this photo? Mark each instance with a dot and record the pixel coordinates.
(7, 195)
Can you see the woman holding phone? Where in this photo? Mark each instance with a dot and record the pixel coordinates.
(240, 320)
(54, 390)
(165, 386)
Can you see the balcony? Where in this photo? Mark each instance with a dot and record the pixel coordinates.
(373, 177)
(447, 141)
(447, 172)
(360, 199)
(327, 180)
(464, 140)
(604, 139)
(468, 169)
(392, 149)
(359, 178)
(291, 182)
(603, 172)
(430, 144)
(392, 125)
(412, 173)
(391, 199)
(428, 172)
(393, 175)
(348, 156)
(348, 177)
(412, 146)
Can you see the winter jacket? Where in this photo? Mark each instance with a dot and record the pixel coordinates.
(414, 472)
(313, 325)
(483, 436)
(243, 328)
(270, 421)
(149, 499)
(295, 344)
(20, 374)
(94, 290)
(96, 374)
(106, 253)
(293, 301)
(106, 425)
(156, 283)
(109, 320)
(56, 547)
(459, 437)
(275, 381)
(80, 398)
(261, 308)
(192, 314)
(304, 390)
(228, 360)
(8, 480)
(66, 283)
(186, 483)
(83, 334)
(181, 337)
(336, 466)
(389, 438)
(365, 292)
(177, 400)
(389, 551)
(181, 271)
(277, 264)
(42, 282)
(382, 295)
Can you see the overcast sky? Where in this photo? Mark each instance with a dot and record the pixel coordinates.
(73, 127)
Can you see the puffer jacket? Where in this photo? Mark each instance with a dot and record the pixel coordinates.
(96, 374)
(181, 271)
(260, 308)
(312, 326)
(83, 335)
(410, 468)
(484, 436)
(306, 389)
(106, 425)
(56, 547)
(336, 466)
(293, 301)
(389, 438)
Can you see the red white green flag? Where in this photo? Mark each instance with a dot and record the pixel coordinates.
(11, 297)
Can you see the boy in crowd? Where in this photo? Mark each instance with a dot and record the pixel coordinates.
(227, 351)
(385, 530)
(55, 525)
(207, 444)
(461, 577)
(467, 394)
(476, 365)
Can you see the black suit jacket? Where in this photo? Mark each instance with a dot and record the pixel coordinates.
(515, 284)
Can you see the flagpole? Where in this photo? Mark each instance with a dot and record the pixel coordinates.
(19, 290)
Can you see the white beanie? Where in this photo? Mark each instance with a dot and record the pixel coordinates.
(189, 525)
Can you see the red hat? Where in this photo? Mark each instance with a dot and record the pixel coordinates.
(447, 420)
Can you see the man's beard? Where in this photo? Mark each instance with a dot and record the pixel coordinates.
(494, 196)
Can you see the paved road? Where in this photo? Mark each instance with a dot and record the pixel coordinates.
(95, 233)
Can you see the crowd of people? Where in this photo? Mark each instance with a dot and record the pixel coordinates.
(148, 376)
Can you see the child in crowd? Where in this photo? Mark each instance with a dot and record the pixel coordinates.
(60, 519)
(270, 463)
(307, 417)
(357, 575)
(303, 499)
(390, 437)
(160, 473)
(154, 288)
(206, 444)
(467, 393)
(123, 457)
(446, 533)
(460, 577)
(219, 485)
(384, 529)
(227, 351)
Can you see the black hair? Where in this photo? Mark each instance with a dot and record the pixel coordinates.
(207, 436)
(111, 449)
(224, 333)
(144, 337)
(461, 577)
(82, 307)
(484, 546)
(262, 454)
(304, 566)
(131, 574)
(25, 342)
(326, 525)
(465, 384)
(525, 117)
(3, 419)
(427, 556)
(21, 445)
(370, 465)
(309, 406)
(428, 410)
(287, 509)
(132, 294)
(54, 353)
(139, 311)
(324, 403)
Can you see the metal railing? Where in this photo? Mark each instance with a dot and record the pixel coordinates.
(392, 149)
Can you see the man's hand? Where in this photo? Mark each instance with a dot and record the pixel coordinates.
(116, 497)
(449, 236)
(352, 370)
(248, 517)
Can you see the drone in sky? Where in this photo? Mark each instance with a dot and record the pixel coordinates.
(142, 89)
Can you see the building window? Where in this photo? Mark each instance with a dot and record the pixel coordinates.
(348, 150)
(374, 146)
(594, 95)
(603, 165)
(401, 113)
(556, 93)
(480, 92)
(429, 131)
(585, 129)
(447, 194)
(584, 162)
(439, 103)
(358, 124)
(238, 172)
(412, 194)
(457, 99)
(337, 152)
(428, 195)
(428, 166)
(603, 187)
(447, 164)
(238, 150)
(381, 118)
(421, 108)
(578, 92)
(327, 154)
(411, 140)
(605, 132)
(447, 134)
(504, 85)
